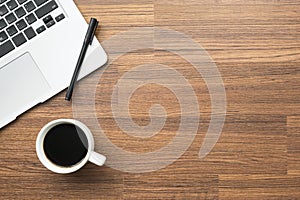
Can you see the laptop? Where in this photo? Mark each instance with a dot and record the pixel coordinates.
(40, 41)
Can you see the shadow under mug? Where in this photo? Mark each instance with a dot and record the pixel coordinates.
(91, 155)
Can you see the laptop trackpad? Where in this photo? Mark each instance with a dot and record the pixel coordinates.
(22, 85)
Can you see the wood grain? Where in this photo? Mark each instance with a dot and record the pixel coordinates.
(256, 46)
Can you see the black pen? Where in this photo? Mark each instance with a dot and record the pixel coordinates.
(87, 41)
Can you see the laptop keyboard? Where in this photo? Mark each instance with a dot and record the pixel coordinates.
(19, 20)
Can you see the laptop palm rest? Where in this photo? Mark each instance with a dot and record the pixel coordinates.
(21, 85)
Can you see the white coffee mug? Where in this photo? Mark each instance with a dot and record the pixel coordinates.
(91, 155)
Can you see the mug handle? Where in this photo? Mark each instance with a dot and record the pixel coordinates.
(97, 158)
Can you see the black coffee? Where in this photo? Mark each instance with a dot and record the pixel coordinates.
(65, 145)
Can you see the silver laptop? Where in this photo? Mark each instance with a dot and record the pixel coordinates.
(40, 41)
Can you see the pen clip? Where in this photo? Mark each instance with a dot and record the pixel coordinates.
(94, 31)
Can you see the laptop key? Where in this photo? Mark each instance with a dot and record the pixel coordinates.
(41, 29)
(39, 2)
(3, 36)
(45, 9)
(60, 17)
(29, 6)
(3, 10)
(21, 24)
(47, 19)
(12, 4)
(50, 23)
(30, 33)
(19, 39)
(30, 18)
(20, 12)
(12, 30)
(3, 24)
(10, 18)
(6, 47)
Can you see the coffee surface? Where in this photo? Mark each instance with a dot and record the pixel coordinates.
(65, 145)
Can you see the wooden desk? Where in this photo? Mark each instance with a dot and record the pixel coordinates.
(256, 46)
